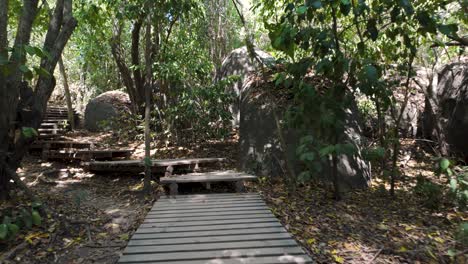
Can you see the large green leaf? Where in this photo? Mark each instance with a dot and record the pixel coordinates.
(449, 29)
(29, 132)
(314, 3)
(444, 164)
(36, 218)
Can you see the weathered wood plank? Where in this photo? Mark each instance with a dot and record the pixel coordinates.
(210, 209)
(163, 205)
(149, 230)
(138, 165)
(208, 206)
(296, 259)
(156, 219)
(261, 230)
(264, 211)
(209, 222)
(285, 259)
(207, 255)
(208, 177)
(167, 201)
(211, 246)
(209, 239)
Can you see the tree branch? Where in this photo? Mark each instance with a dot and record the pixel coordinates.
(3, 28)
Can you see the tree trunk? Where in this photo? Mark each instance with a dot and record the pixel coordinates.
(28, 111)
(148, 86)
(71, 116)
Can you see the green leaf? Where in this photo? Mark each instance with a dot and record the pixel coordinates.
(301, 10)
(36, 218)
(451, 253)
(448, 30)
(453, 185)
(29, 132)
(26, 218)
(3, 231)
(327, 150)
(308, 156)
(345, 7)
(371, 73)
(444, 164)
(42, 72)
(13, 229)
(30, 50)
(427, 23)
(315, 3)
(24, 69)
(36, 204)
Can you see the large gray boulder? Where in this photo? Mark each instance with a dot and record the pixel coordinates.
(447, 109)
(239, 63)
(260, 148)
(102, 109)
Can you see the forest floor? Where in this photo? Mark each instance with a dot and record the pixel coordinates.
(91, 217)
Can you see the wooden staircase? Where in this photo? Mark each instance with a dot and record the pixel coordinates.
(53, 144)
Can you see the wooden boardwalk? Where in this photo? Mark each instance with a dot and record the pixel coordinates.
(212, 229)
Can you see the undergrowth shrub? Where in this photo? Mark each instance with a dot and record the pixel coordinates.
(17, 219)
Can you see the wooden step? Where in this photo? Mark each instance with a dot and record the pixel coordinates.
(86, 155)
(51, 131)
(207, 178)
(158, 165)
(54, 145)
(50, 136)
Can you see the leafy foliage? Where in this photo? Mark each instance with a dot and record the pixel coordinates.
(351, 47)
(14, 221)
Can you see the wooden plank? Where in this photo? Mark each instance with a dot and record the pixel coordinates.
(208, 205)
(208, 177)
(207, 255)
(159, 162)
(188, 211)
(150, 230)
(211, 213)
(204, 199)
(285, 259)
(156, 219)
(266, 219)
(261, 230)
(211, 246)
(164, 204)
(208, 239)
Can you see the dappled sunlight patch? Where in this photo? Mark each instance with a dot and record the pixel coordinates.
(363, 225)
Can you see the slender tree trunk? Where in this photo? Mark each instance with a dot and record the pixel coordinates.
(336, 185)
(396, 135)
(71, 116)
(381, 131)
(148, 86)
